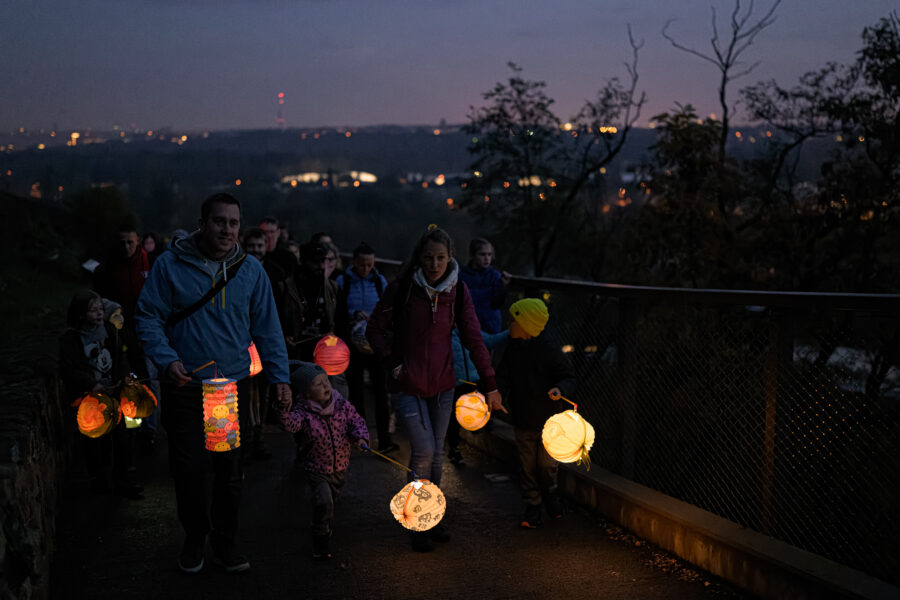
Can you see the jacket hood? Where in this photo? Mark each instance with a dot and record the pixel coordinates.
(445, 285)
(187, 249)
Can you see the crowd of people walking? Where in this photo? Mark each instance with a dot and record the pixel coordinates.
(173, 312)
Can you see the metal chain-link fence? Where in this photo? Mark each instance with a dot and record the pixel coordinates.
(780, 413)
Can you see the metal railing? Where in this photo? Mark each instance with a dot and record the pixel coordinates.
(778, 411)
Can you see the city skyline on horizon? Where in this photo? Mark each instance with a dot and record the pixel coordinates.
(219, 66)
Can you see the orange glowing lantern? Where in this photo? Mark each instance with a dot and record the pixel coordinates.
(332, 354)
(97, 414)
(220, 414)
(255, 363)
(472, 411)
(137, 401)
(419, 506)
(568, 438)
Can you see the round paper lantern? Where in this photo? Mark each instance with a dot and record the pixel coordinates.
(419, 506)
(97, 414)
(220, 414)
(472, 411)
(568, 437)
(332, 354)
(255, 363)
(140, 398)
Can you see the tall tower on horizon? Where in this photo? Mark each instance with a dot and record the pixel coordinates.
(279, 116)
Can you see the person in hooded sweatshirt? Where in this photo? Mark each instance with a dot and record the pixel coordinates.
(328, 425)
(486, 284)
(206, 300)
(410, 330)
(92, 358)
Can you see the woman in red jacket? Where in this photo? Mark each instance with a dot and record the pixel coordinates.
(410, 330)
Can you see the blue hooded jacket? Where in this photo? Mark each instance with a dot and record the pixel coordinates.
(463, 366)
(362, 295)
(243, 311)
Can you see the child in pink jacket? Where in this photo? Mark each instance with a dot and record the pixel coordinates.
(328, 424)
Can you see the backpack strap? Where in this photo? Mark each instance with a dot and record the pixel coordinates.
(184, 313)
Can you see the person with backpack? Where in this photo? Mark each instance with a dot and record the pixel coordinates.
(359, 290)
(410, 331)
(206, 301)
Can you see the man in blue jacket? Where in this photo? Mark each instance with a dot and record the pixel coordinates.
(206, 300)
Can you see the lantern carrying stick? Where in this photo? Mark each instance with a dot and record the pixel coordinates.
(570, 402)
(389, 459)
(213, 363)
(468, 382)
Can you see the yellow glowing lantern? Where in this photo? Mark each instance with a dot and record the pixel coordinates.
(220, 414)
(332, 354)
(97, 414)
(255, 363)
(419, 506)
(472, 411)
(137, 401)
(568, 437)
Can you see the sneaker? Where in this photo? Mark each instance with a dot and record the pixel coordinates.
(320, 547)
(227, 557)
(439, 534)
(553, 506)
(532, 517)
(421, 541)
(191, 559)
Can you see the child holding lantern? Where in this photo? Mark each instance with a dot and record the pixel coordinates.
(329, 423)
(534, 374)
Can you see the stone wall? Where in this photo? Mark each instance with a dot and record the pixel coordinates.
(31, 466)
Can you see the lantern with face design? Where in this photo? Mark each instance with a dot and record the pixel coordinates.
(220, 414)
(255, 363)
(332, 354)
(419, 506)
(137, 401)
(568, 438)
(97, 414)
(472, 411)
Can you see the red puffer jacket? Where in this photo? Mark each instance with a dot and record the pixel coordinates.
(419, 338)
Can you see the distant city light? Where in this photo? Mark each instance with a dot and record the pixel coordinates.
(40, 146)
(437, 132)
(567, 126)
(347, 134)
(293, 183)
(737, 134)
(439, 180)
(568, 348)
(356, 183)
(862, 139)
(184, 138)
(237, 182)
(450, 202)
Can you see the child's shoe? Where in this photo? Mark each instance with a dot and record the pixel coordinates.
(320, 547)
(532, 517)
(554, 506)
(421, 541)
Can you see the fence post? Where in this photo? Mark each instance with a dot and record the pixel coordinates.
(778, 359)
(626, 395)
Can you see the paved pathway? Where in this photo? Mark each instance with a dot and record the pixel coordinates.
(115, 548)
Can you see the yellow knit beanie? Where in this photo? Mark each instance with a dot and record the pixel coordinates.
(531, 314)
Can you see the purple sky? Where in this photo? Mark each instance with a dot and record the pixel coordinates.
(219, 63)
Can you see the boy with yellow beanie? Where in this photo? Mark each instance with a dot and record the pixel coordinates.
(533, 375)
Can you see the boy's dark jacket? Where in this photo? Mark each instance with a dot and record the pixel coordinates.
(527, 371)
(75, 371)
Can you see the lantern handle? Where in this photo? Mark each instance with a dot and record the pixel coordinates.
(212, 362)
(570, 402)
(389, 459)
(468, 382)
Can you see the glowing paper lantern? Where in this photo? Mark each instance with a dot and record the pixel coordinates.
(332, 354)
(220, 414)
(568, 437)
(255, 363)
(97, 414)
(472, 411)
(419, 506)
(137, 401)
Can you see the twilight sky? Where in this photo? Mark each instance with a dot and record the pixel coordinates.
(219, 63)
